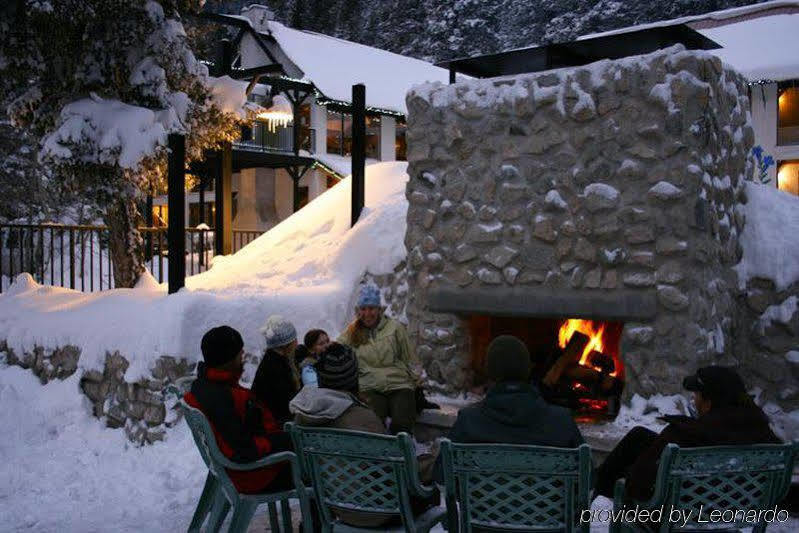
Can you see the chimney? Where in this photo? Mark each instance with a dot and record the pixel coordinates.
(259, 16)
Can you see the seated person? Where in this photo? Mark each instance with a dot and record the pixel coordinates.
(513, 411)
(307, 355)
(334, 403)
(277, 379)
(726, 415)
(244, 429)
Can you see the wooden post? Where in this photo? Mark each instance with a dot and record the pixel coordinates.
(223, 224)
(226, 57)
(295, 109)
(176, 239)
(358, 150)
(451, 76)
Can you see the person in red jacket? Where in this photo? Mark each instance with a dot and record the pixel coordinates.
(244, 428)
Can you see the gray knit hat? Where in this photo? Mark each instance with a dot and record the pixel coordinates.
(338, 368)
(278, 331)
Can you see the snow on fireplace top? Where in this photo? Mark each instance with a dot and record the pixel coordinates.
(306, 268)
(335, 65)
(757, 40)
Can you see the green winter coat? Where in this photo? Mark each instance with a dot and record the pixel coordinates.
(384, 361)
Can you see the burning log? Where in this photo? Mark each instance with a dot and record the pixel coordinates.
(571, 356)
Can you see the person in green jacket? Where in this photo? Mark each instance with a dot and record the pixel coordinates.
(386, 362)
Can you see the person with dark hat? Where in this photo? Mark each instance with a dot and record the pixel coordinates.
(513, 411)
(726, 415)
(245, 429)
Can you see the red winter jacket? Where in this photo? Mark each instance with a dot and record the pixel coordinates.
(226, 404)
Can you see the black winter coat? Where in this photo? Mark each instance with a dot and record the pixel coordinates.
(275, 385)
(515, 413)
(720, 426)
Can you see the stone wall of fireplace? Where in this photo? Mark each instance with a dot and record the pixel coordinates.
(607, 191)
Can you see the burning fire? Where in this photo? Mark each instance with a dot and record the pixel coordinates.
(593, 330)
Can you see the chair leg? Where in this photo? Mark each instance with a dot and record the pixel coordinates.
(242, 514)
(218, 512)
(205, 503)
(274, 525)
(285, 514)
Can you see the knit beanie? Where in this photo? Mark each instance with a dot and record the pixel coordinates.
(369, 296)
(221, 345)
(278, 332)
(338, 368)
(507, 359)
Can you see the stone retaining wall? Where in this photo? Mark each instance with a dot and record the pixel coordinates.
(140, 407)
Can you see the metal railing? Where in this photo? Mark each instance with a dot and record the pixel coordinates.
(280, 140)
(78, 257)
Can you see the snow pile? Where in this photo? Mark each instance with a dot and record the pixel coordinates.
(306, 269)
(64, 471)
(109, 132)
(770, 249)
(388, 92)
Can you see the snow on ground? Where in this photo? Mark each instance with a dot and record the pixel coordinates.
(306, 268)
(770, 248)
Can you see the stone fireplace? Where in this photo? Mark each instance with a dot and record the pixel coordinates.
(609, 193)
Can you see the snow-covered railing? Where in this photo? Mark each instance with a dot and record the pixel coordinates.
(78, 257)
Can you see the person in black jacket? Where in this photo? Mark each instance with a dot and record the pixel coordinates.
(726, 416)
(513, 411)
(277, 380)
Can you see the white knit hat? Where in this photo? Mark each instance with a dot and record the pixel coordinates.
(278, 331)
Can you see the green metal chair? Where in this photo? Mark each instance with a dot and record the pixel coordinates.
(365, 472)
(219, 494)
(509, 487)
(714, 478)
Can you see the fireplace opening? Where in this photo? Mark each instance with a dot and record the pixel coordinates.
(576, 362)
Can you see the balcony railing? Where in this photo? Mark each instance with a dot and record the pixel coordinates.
(281, 140)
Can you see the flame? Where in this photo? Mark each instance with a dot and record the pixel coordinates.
(593, 330)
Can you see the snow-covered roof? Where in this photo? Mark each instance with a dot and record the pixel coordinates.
(759, 40)
(335, 65)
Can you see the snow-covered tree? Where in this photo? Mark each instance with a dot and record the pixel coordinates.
(105, 82)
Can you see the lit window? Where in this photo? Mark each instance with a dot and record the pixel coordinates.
(788, 176)
(788, 107)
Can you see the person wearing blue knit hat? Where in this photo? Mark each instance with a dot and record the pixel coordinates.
(386, 361)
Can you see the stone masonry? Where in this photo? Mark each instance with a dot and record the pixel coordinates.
(142, 408)
(619, 178)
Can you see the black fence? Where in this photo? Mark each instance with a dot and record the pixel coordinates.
(78, 257)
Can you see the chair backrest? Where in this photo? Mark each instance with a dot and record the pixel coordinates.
(513, 487)
(207, 446)
(357, 471)
(723, 478)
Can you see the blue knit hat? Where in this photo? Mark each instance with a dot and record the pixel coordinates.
(278, 331)
(369, 296)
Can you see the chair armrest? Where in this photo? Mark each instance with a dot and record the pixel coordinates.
(269, 460)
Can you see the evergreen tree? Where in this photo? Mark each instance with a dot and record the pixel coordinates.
(97, 69)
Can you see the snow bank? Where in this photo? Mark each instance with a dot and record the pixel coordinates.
(769, 245)
(64, 471)
(305, 268)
